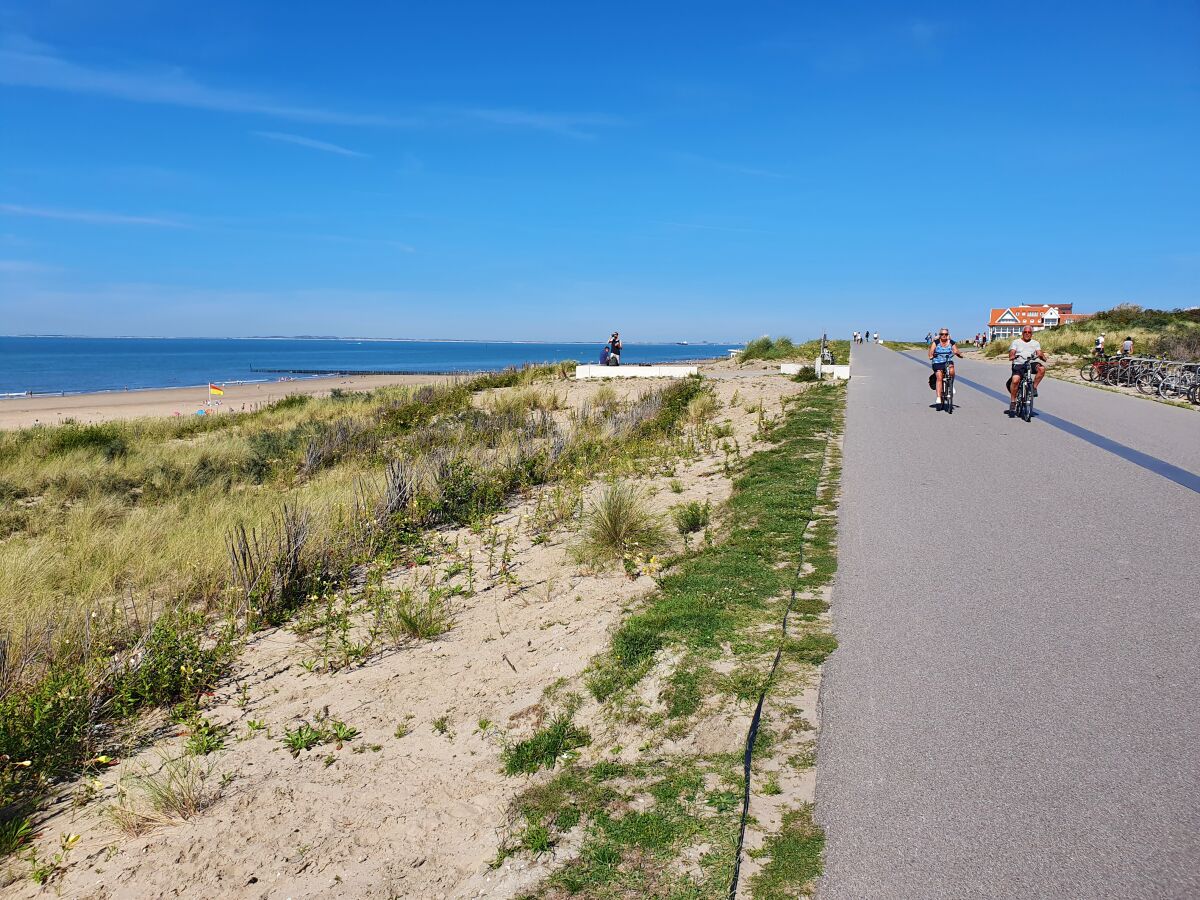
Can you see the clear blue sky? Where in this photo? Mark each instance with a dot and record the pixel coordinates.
(687, 170)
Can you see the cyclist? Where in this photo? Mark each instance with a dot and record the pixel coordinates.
(1025, 351)
(942, 352)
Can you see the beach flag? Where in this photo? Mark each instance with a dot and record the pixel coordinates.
(215, 391)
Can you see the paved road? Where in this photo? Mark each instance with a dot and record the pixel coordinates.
(1014, 710)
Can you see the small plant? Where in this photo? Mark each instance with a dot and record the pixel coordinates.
(404, 728)
(43, 872)
(14, 834)
(255, 725)
(676, 486)
(771, 786)
(545, 747)
(205, 737)
(702, 408)
(618, 526)
(691, 517)
(442, 725)
(303, 737)
(402, 615)
(483, 726)
(342, 733)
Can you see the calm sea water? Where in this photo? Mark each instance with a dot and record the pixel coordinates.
(51, 364)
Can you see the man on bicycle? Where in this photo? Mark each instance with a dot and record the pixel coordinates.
(942, 352)
(1025, 351)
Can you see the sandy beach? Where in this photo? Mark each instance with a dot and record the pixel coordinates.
(22, 412)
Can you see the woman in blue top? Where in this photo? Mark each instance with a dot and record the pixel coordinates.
(942, 352)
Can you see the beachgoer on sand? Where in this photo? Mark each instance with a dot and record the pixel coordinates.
(614, 344)
(605, 354)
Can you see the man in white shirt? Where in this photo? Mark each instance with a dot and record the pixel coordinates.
(1025, 351)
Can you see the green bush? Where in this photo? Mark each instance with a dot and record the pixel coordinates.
(175, 665)
(45, 730)
(767, 348)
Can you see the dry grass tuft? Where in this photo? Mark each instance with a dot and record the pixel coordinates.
(181, 789)
(617, 525)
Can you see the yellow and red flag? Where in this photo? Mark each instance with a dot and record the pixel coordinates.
(215, 391)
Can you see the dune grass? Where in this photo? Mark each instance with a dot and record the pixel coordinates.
(783, 348)
(145, 550)
(1155, 332)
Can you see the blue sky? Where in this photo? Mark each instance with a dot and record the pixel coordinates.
(674, 170)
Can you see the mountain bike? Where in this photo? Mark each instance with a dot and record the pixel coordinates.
(1025, 391)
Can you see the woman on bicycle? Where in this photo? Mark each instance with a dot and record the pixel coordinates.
(942, 352)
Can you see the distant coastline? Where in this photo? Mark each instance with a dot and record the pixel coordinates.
(377, 340)
(55, 366)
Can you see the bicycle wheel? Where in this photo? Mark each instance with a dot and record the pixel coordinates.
(1027, 402)
(948, 390)
(1088, 372)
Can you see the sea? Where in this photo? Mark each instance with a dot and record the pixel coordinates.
(54, 365)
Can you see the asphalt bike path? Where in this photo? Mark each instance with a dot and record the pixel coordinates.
(1014, 707)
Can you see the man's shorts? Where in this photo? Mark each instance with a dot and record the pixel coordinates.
(1019, 368)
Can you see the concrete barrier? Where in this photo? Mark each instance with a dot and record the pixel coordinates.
(584, 372)
(838, 373)
(823, 370)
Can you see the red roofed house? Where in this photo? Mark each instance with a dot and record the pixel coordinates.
(1008, 322)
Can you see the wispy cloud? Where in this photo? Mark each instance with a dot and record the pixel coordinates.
(573, 125)
(26, 63)
(701, 226)
(837, 52)
(91, 217)
(735, 168)
(22, 267)
(311, 143)
(30, 64)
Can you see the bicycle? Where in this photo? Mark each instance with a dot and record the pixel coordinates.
(947, 398)
(1025, 391)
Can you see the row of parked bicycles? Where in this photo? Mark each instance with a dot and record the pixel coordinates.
(1166, 378)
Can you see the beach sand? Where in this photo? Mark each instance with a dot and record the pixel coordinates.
(22, 412)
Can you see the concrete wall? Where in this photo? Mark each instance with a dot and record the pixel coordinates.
(583, 372)
(839, 373)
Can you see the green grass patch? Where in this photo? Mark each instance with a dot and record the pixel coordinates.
(543, 749)
(627, 851)
(793, 858)
(714, 592)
